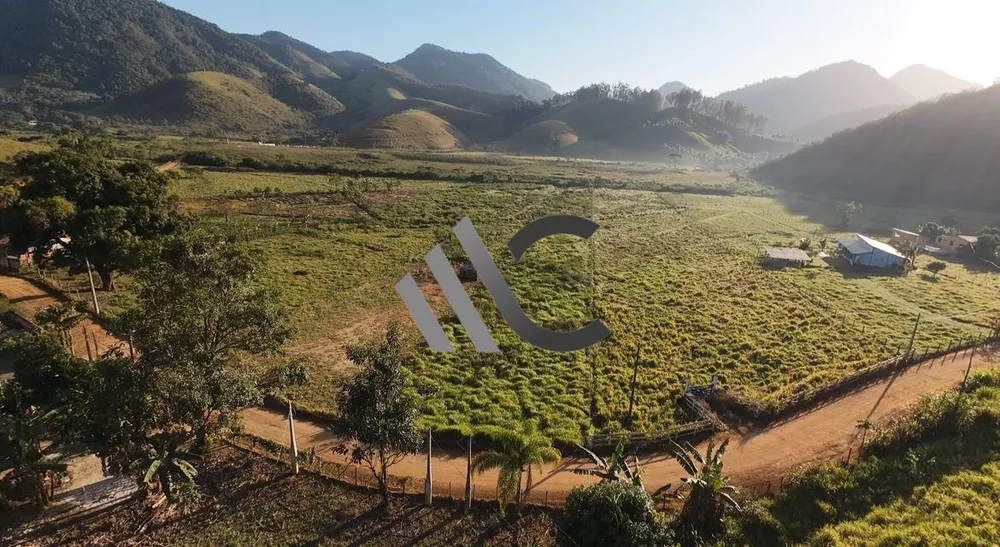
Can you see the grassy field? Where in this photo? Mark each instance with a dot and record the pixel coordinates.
(674, 275)
(8, 148)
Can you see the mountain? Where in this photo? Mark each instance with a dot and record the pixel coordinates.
(435, 65)
(941, 153)
(206, 99)
(672, 87)
(923, 82)
(115, 47)
(792, 103)
(308, 59)
(823, 128)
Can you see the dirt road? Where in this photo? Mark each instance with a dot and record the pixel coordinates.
(824, 433)
(31, 298)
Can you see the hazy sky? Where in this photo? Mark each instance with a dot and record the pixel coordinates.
(714, 45)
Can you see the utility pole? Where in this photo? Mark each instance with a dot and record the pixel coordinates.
(428, 497)
(294, 453)
(468, 478)
(913, 336)
(93, 291)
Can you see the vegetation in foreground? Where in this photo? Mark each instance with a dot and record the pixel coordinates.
(250, 501)
(929, 478)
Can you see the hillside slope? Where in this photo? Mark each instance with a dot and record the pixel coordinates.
(610, 129)
(407, 129)
(435, 65)
(823, 128)
(944, 153)
(791, 103)
(114, 47)
(923, 82)
(206, 99)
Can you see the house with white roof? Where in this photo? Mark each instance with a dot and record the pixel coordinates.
(862, 250)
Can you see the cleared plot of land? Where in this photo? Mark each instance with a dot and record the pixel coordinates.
(675, 276)
(8, 148)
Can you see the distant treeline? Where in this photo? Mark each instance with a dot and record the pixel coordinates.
(731, 112)
(651, 100)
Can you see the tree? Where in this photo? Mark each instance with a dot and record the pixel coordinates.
(379, 410)
(201, 318)
(709, 491)
(936, 267)
(612, 513)
(76, 205)
(847, 212)
(36, 411)
(518, 451)
(61, 317)
(988, 243)
(932, 231)
(615, 468)
(169, 463)
(26, 430)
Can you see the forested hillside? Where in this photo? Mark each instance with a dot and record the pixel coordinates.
(941, 153)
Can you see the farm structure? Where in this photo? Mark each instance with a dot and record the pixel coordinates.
(785, 256)
(904, 236)
(951, 244)
(862, 250)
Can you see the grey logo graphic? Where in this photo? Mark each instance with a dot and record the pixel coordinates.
(498, 289)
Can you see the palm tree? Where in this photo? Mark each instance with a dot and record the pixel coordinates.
(710, 491)
(518, 452)
(169, 461)
(614, 469)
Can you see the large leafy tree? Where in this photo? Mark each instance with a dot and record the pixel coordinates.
(706, 490)
(517, 452)
(74, 205)
(202, 323)
(36, 411)
(379, 409)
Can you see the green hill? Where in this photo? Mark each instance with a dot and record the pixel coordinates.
(611, 129)
(407, 129)
(941, 153)
(303, 96)
(115, 47)
(207, 99)
(436, 65)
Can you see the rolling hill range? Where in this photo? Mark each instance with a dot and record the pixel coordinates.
(835, 123)
(923, 82)
(943, 153)
(792, 103)
(435, 65)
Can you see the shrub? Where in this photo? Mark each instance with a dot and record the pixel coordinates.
(613, 514)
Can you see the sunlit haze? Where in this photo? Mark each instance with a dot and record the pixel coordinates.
(713, 45)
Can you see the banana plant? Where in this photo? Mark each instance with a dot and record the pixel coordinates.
(708, 491)
(170, 462)
(615, 468)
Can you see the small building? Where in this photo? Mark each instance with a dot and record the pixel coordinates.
(899, 236)
(785, 256)
(950, 244)
(864, 251)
